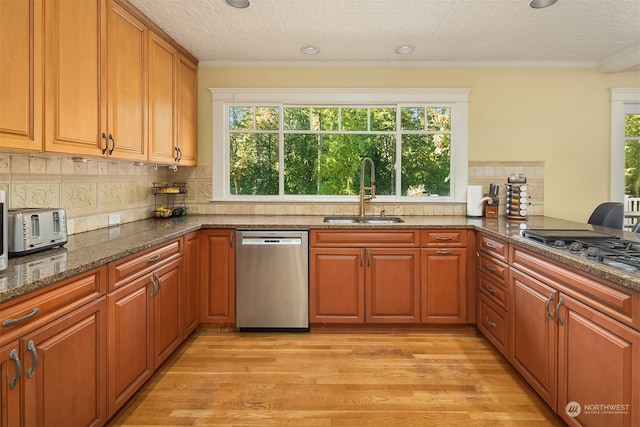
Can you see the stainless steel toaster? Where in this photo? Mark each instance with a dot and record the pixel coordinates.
(35, 229)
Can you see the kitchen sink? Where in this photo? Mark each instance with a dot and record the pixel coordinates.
(379, 220)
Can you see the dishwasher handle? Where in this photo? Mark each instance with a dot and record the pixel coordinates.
(271, 241)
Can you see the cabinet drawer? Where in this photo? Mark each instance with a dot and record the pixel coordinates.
(435, 238)
(493, 291)
(493, 323)
(122, 271)
(495, 247)
(493, 268)
(357, 239)
(30, 311)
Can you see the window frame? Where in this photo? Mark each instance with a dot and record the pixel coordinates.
(222, 98)
(622, 99)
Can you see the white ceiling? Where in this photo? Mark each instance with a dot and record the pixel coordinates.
(572, 33)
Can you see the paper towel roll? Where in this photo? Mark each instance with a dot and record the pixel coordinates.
(474, 200)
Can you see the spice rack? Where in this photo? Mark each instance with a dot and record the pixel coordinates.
(174, 198)
(517, 199)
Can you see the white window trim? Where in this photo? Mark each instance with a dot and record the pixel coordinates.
(458, 99)
(621, 99)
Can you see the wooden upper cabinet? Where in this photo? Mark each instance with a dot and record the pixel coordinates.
(162, 100)
(126, 127)
(187, 111)
(75, 87)
(21, 75)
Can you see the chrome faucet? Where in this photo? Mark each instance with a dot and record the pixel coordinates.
(372, 189)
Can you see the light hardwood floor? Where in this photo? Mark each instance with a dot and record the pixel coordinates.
(328, 380)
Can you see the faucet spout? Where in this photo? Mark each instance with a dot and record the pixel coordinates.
(372, 188)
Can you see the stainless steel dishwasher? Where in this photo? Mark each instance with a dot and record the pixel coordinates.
(272, 280)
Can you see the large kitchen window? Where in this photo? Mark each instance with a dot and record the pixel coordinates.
(308, 145)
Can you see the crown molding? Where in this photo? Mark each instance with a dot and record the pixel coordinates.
(625, 60)
(398, 64)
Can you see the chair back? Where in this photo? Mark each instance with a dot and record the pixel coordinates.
(608, 214)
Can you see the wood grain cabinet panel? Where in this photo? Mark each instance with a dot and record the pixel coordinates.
(10, 384)
(65, 370)
(336, 285)
(217, 276)
(187, 114)
(533, 334)
(444, 285)
(191, 284)
(392, 285)
(163, 60)
(21, 39)
(75, 85)
(596, 358)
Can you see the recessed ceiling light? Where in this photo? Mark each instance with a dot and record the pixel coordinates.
(310, 50)
(240, 4)
(405, 50)
(540, 4)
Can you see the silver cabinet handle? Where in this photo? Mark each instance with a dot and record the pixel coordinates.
(154, 291)
(32, 313)
(231, 239)
(443, 238)
(34, 353)
(486, 319)
(159, 282)
(490, 268)
(560, 319)
(443, 252)
(361, 256)
(490, 290)
(547, 304)
(490, 245)
(153, 259)
(368, 258)
(16, 360)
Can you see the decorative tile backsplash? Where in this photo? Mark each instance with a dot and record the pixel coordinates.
(90, 191)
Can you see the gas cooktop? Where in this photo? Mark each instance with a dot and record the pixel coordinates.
(599, 247)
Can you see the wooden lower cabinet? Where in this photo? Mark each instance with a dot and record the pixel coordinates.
(145, 327)
(534, 334)
(392, 285)
(577, 359)
(217, 276)
(336, 285)
(444, 285)
(130, 355)
(190, 284)
(596, 355)
(65, 368)
(10, 384)
(364, 285)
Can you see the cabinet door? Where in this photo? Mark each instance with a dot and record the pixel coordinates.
(10, 384)
(336, 285)
(217, 276)
(190, 284)
(75, 87)
(127, 87)
(65, 370)
(21, 79)
(187, 113)
(130, 363)
(162, 100)
(444, 285)
(167, 326)
(534, 334)
(392, 285)
(595, 358)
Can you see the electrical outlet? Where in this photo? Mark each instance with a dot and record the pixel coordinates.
(114, 219)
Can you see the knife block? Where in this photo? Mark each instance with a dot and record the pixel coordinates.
(491, 207)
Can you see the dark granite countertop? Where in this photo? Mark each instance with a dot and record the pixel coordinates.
(92, 249)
